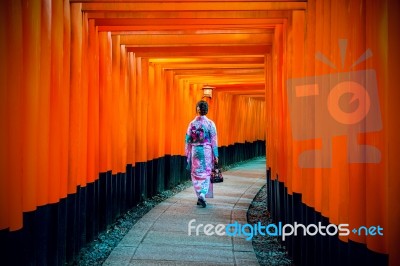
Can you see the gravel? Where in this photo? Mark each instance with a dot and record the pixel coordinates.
(96, 252)
(268, 249)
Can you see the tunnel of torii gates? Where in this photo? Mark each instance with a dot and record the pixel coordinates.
(96, 97)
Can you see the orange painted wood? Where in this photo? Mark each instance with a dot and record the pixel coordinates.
(11, 159)
(198, 50)
(131, 144)
(391, 97)
(115, 105)
(75, 119)
(105, 101)
(30, 103)
(83, 138)
(92, 100)
(4, 183)
(65, 97)
(76, 101)
(124, 110)
(93, 104)
(56, 87)
(42, 156)
(196, 39)
(184, 6)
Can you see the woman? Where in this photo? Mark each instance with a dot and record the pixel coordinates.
(201, 152)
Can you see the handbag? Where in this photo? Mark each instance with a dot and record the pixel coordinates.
(216, 175)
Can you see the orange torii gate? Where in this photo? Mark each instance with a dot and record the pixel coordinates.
(95, 92)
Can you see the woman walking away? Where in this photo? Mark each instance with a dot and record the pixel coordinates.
(201, 148)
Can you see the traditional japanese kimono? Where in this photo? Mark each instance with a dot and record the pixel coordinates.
(201, 148)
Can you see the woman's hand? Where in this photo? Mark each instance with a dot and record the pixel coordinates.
(216, 159)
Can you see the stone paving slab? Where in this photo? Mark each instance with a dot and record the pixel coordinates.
(161, 236)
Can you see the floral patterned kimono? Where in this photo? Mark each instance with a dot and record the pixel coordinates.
(201, 148)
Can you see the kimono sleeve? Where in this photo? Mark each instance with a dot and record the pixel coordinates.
(188, 146)
(214, 139)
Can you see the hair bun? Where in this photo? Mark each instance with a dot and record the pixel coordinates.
(203, 106)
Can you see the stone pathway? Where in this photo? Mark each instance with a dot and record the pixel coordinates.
(161, 236)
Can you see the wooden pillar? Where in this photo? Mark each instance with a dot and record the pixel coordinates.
(12, 112)
(393, 132)
(115, 108)
(65, 100)
(56, 121)
(4, 197)
(75, 127)
(131, 149)
(93, 103)
(105, 101)
(31, 10)
(124, 111)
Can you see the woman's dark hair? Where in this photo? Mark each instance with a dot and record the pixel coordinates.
(203, 105)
